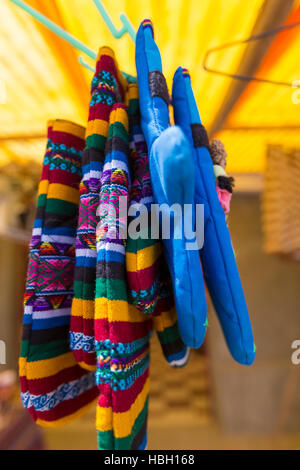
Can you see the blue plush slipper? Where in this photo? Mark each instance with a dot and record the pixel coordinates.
(172, 172)
(217, 256)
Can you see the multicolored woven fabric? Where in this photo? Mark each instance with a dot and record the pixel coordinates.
(54, 388)
(106, 89)
(121, 331)
(149, 282)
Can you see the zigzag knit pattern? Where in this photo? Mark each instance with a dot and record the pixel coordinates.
(106, 88)
(54, 388)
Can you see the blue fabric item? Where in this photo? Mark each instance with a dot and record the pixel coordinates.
(173, 182)
(217, 256)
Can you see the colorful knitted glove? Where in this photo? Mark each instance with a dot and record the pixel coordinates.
(149, 282)
(217, 256)
(121, 331)
(107, 88)
(173, 182)
(54, 388)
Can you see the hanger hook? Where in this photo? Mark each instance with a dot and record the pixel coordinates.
(254, 37)
(126, 28)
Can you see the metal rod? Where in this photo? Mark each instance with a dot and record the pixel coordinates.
(255, 37)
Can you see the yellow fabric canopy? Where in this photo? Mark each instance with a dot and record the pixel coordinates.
(267, 114)
(41, 78)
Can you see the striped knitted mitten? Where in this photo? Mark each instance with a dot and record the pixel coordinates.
(107, 88)
(121, 330)
(54, 388)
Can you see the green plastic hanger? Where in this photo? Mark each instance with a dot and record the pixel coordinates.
(126, 28)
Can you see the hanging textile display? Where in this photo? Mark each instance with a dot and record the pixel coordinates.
(102, 276)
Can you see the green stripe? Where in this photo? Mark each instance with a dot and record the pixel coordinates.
(169, 334)
(117, 129)
(24, 348)
(133, 246)
(83, 290)
(112, 289)
(41, 202)
(48, 350)
(133, 107)
(105, 440)
(96, 141)
(59, 206)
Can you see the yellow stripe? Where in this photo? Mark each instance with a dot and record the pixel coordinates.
(122, 80)
(143, 258)
(164, 320)
(101, 308)
(118, 310)
(105, 50)
(83, 308)
(66, 419)
(123, 422)
(133, 91)
(50, 123)
(22, 366)
(46, 367)
(104, 418)
(97, 126)
(122, 117)
(62, 125)
(119, 115)
(87, 366)
(61, 191)
(43, 187)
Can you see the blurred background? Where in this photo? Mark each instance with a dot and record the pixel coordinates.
(213, 403)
